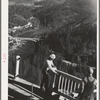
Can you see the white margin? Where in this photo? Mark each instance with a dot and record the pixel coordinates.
(4, 49)
(98, 50)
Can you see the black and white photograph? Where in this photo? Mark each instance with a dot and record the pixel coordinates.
(52, 50)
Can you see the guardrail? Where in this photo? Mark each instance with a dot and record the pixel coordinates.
(66, 84)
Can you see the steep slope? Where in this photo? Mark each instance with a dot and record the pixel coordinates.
(67, 28)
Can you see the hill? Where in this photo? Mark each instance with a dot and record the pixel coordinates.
(67, 28)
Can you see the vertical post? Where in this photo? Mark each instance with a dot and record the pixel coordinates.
(32, 91)
(62, 90)
(17, 66)
(32, 97)
(65, 86)
(78, 85)
(54, 81)
(75, 86)
(59, 83)
(68, 86)
(71, 87)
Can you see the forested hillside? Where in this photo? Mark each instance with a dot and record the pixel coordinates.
(66, 27)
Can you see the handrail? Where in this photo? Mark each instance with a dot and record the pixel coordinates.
(61, 72)
(69, 76)
(65, 84)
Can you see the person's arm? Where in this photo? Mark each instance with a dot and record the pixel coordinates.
(50, 67)
(82, 86)
(54, 65)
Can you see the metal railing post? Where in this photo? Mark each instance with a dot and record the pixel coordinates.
(17, 66)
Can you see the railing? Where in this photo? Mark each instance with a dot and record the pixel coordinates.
(66, 84)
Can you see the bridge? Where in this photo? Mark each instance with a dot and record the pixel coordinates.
(65, 86)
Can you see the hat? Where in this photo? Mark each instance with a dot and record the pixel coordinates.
(52, 56)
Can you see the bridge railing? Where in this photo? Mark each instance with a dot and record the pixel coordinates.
(66, 84)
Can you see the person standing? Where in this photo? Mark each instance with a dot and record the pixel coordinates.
(89, 86)
(46, 80)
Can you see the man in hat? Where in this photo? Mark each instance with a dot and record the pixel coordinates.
(46, 72)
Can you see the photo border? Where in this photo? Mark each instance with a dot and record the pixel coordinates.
(4, 50)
